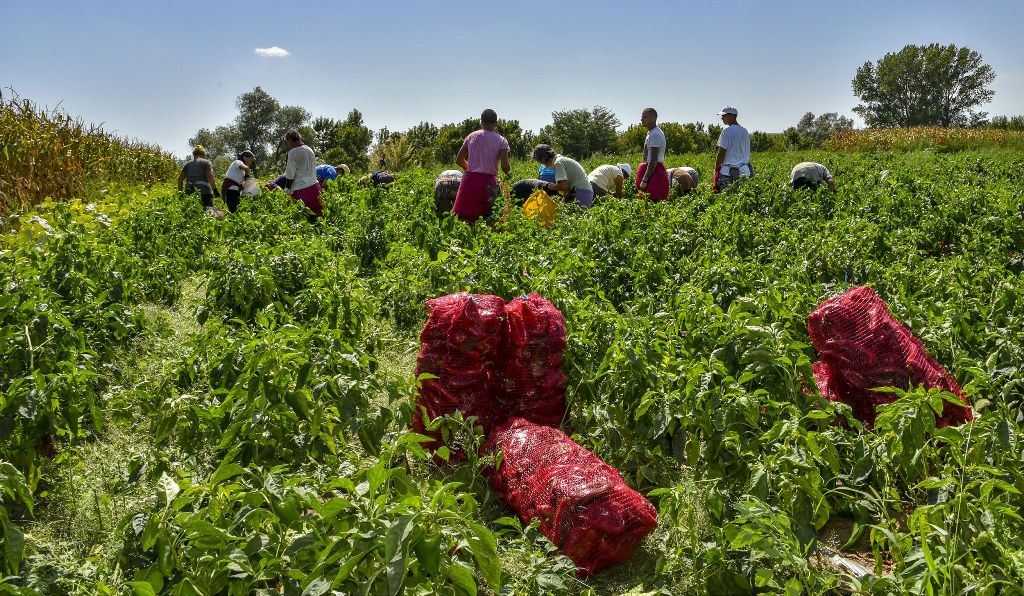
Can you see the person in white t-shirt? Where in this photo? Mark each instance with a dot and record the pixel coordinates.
(651, 177)
(607, 179)
(300, 173)
(238, 171)
(810, 174)
(733, 160)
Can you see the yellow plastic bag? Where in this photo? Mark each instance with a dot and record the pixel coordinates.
(541, 207)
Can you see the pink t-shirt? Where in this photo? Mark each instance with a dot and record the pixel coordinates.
(484, 147)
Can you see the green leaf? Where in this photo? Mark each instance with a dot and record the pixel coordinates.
(462, 578)
(142, 589)
(396, 552)
(485, 552)
(224, 472)
(317, 587)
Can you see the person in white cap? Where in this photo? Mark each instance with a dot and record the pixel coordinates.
(607, 179)
(733, 160)
(811, 174)
(682, 180)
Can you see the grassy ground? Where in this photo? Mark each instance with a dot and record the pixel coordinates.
(101, 482)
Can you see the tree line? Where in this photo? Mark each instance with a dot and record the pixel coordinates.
(921, 85)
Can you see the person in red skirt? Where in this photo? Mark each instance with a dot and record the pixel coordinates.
(300, 174)
(479, 156)
(651, 177)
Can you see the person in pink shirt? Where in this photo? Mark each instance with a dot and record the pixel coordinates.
(479, 156)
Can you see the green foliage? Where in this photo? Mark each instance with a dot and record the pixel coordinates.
(927, 85)
(582, 133)
(282, 462)
(812, 132)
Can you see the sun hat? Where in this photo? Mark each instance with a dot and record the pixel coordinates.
(343, 168)
(627, 169)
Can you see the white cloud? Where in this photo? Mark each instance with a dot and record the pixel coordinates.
(274, 52)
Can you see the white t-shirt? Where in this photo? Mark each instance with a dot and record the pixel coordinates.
(736, 142)
(604, 176)
(569, 169)
(813, 171)
(301, 169)
(655, 138)
(235, 171)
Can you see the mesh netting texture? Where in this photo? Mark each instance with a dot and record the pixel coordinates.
(583, 505)
(532, 381)
(862, 346)
(460, 344)
(492, 360)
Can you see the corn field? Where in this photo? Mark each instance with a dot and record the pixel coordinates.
(913, 139)
(50, 154)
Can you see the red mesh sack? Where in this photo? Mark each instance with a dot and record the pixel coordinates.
(532, 381)
(459, 344)
(583, 505)
(862, 346)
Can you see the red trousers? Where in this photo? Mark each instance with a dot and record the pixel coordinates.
(657, 186)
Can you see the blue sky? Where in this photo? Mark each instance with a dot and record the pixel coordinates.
(160, 71)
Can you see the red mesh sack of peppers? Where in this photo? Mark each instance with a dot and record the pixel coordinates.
(583, 505)
(459, 345)
(532, 381)
(862, 346)
(492, 360)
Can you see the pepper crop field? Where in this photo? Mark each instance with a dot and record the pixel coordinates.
(194, 406)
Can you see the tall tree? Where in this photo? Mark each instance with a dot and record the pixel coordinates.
(932, 85)
(582, 133)
(256, 120)
(348, 142)
(813, 131)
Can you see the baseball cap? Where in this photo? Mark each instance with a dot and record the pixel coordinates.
(628, 169)
(199, 149)
(729, 110)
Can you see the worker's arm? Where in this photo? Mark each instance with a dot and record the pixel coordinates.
(720, 159)
(181, 178)
(618, 187)
(652, 161)
(560, 186)
(831, 184)
(463, 157)
(503, 157)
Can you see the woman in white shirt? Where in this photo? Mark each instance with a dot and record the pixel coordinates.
(238, 171)
(570, 177)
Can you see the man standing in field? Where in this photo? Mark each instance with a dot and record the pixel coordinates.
(479, 157)
(733, 160)
(300, 173)
(651, 177)
(811, 174)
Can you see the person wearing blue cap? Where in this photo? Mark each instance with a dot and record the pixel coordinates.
(327, 172)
